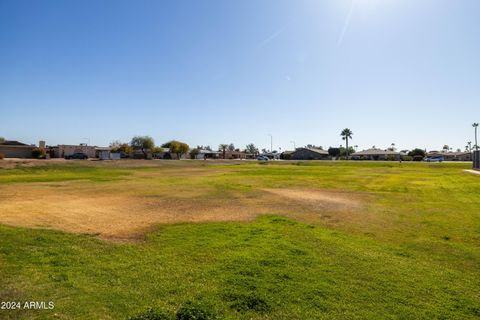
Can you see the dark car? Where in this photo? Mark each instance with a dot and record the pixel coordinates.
(77, 155)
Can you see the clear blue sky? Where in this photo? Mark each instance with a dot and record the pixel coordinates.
(211, 72)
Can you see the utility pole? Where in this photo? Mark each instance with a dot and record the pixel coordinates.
(475, 125)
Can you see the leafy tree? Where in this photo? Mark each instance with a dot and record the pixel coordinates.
(2, 139)
(223, 147)
(118, 146)
(346, 134)
(194, 153)
(417, 152)
(204, 148)
(231, 147)
(344, 153)
(39, 153)
(250, 148)
(445, 148)
(177, 147)
(392, 147)
(142, 143)
(334, 152)
(312, 146)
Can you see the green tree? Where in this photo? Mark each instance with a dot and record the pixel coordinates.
(346, 135)
(117, 146)
(250, 148)
(417, 152)
(2, 139)
(194, 153)
(142, 143)
(334, 152)
(177, 147)
(231, 147)
(223, 147)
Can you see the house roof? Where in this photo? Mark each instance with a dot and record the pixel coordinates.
(12, 143)
(204, 151)
(375, 152)
(316, 150)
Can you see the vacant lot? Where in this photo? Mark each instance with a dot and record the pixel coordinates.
(290, 240)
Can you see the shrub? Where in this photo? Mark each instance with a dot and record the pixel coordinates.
(417, 152)
(391, 158)
(39, 153)
(2, 156)
(407, 158)
(194, 311)
(151, 314)
(418, 158)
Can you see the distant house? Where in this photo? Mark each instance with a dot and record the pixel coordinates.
(235, 154)
(105, 153)
(63, 150)
(270, 155)
(208, 154)
(376, 154)
(286, 155)
(309, 154)
(451, 156)
(15, 149)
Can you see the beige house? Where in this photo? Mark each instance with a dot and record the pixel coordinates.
(376, 154)
(63, 150)
(15, 149)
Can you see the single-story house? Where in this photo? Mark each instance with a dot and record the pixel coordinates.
(208, 154)
(105, 153)
(309, 154)
(234, 154)
(271, 155)
(376, 154)
(15, 149)
(451, 156)
(63, 150)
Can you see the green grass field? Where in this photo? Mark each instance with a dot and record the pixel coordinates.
(408, 249)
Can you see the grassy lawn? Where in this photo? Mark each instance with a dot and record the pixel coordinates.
(317, 240)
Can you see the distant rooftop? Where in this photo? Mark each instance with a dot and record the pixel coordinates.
(12, 143)
(374, 152)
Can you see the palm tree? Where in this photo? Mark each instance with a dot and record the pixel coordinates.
(223, 147)
(392, 146)
(469, 146)
(475, 125)
(346, 134)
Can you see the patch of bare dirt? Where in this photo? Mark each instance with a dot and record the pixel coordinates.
(127, 210)
(319, 197)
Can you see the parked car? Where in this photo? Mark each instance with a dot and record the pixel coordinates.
(77, 155)
(262, 158)
(435, 159)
